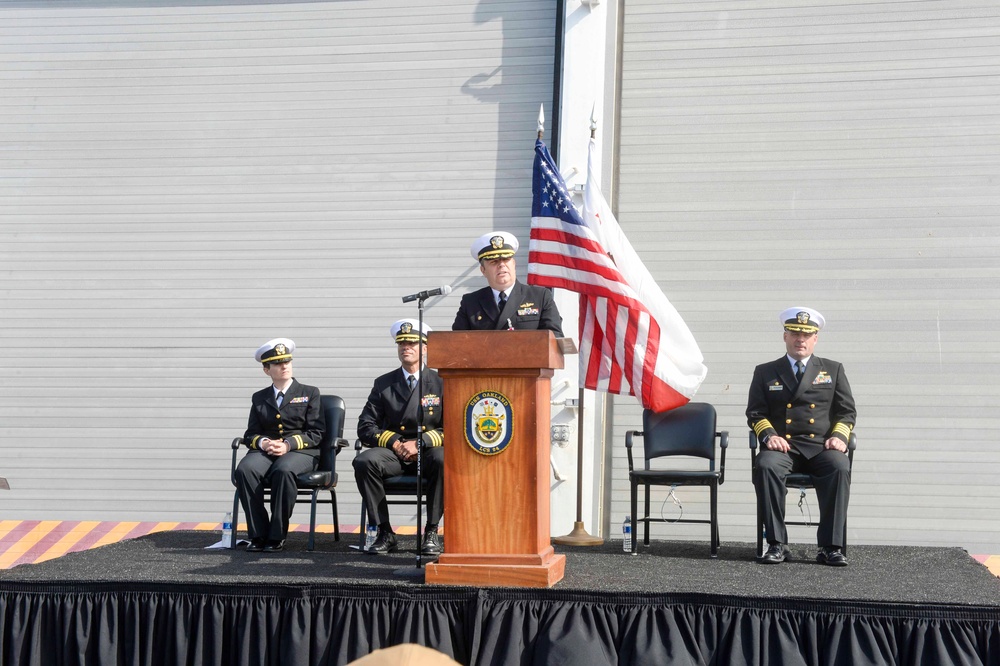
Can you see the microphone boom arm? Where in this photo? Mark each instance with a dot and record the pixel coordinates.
(421, 296)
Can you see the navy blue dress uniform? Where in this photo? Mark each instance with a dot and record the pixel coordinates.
(299, 421)
(806, 412)
(527, 307)
(391, 415)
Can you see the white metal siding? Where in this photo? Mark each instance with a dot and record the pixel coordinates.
(844, 156)
(180, 182)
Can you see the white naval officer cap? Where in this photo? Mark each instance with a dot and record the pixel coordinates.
(405, 330)
(801, 320)
(278, 350)
(495, 244)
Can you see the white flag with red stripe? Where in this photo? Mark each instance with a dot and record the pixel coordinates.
(632, 340)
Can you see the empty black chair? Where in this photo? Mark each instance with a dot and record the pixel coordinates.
(802, 482)
(310, 484)
(685, 431)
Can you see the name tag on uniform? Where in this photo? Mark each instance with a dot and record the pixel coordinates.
(775, 387)
(823, 378)
(301, 398)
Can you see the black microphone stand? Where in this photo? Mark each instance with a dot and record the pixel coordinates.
(420, 429)
(418, 570)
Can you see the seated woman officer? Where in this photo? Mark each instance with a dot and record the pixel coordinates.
(283, 434)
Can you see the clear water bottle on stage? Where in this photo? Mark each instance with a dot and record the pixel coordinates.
(370, 536)
(227, 529)
(627, 535)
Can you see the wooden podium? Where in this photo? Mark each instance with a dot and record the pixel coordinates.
(497, 393)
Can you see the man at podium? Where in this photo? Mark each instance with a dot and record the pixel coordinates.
(505, 304)
(388, 426)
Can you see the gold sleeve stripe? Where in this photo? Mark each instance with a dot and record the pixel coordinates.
(435, 438)
(299, 444)
(843, 429)
(761, 426)
(254, 442)
(383, 439)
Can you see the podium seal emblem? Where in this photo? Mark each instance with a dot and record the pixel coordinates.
(488, 422)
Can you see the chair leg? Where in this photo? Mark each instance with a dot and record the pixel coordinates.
(363, 526)
(236, 519)
(645, 517)
(715, 520)
(760, 529)
(843, 548)
(635, 503)
(312, 520)
(336, 519)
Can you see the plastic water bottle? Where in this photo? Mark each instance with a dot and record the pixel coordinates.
(627, 535)
(370, 536)
(227, 529)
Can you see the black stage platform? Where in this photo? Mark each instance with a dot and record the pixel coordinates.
(164, 599)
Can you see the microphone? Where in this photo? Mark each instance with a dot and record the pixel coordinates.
(443, 290)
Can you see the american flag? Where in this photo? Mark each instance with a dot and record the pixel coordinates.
(632, 340)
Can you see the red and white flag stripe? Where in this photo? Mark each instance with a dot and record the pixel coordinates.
(631, 339)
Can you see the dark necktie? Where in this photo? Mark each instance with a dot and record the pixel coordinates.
(501, 301)
(410, 381)
(800, 369)
(281, 396)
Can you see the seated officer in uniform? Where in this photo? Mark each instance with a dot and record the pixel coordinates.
(801, 409)
(388, 426)
(284, 431)
(505, 303)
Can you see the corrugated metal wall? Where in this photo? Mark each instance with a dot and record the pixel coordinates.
(844, 156)
(180, 181)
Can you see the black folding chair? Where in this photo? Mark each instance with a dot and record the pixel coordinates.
(802, 482)
(685, 431)
(400, 489)
(310, 484)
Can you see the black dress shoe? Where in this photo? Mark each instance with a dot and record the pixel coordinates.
(385, 542)
(831, 556)
(776, 554)
(274, 546)
(431, 545)
(255, 545)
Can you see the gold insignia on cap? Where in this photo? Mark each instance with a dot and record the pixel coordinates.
(497, 242)
(407, 327)
(802, 317)
(280, 349)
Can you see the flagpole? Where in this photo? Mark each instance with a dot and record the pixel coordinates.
(579, 536)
